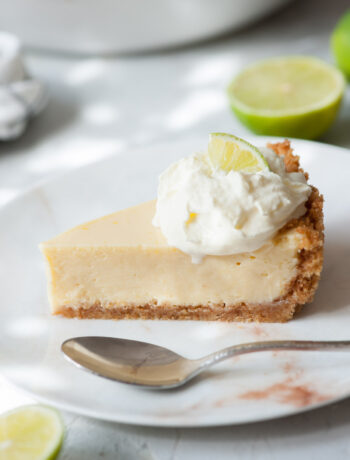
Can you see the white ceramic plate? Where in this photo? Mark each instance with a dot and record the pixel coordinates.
(247, 389)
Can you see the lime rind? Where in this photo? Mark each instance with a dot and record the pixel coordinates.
(53, 444)
(340, 43)
(222, 157)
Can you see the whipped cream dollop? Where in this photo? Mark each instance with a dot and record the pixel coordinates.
(205, 211)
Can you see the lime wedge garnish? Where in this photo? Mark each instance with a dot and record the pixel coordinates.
(294, 96)
(341, 43)
(231, 153)
(30, 433)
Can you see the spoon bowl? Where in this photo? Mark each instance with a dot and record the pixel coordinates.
(130, 361)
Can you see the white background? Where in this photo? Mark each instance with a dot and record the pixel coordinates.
(101, 107)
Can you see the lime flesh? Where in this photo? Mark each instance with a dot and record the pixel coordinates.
(340, 42)
(30, 433)
(296, 96)
(230, 153)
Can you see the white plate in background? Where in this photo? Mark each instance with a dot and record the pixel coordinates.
(109, 26)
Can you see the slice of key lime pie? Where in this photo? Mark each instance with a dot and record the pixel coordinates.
(236, 234)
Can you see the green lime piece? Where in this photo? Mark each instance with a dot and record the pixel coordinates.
(340, 43)
(31, 433)
(231, 153)
(296, 96)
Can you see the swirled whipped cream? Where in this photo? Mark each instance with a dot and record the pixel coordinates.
(205, 211)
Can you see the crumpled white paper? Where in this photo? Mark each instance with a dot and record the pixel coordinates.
(21, 96)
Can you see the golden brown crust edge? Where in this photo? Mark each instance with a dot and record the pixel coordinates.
(311, 228)
(276, 312)
(300, 291)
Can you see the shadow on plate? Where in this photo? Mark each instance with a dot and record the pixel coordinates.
(333, 293)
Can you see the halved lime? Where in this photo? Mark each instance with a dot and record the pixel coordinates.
(30, 433)
(341, 43)
(229, 152)
(295, 96)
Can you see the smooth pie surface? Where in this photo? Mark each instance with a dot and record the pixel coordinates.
(122, 259)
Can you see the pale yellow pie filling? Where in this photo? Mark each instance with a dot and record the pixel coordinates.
(122, 260)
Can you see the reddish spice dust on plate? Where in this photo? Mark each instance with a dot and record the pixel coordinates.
(288, 392)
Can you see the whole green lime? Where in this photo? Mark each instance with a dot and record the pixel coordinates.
(340, 42)
(294, 96)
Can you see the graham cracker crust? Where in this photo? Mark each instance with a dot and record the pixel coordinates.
(276, 312)
(299, 292)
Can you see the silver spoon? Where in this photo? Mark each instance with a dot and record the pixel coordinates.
(152, 366)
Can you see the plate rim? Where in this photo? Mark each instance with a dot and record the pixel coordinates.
(164, 423)
(138, 147)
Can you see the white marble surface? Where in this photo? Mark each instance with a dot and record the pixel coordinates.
(100, 107)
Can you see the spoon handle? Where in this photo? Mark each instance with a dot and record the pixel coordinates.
(253, 347)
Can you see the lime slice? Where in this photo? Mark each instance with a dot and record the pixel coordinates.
(296, 96)
(341, 44)
(231, 153)
(30, 433)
